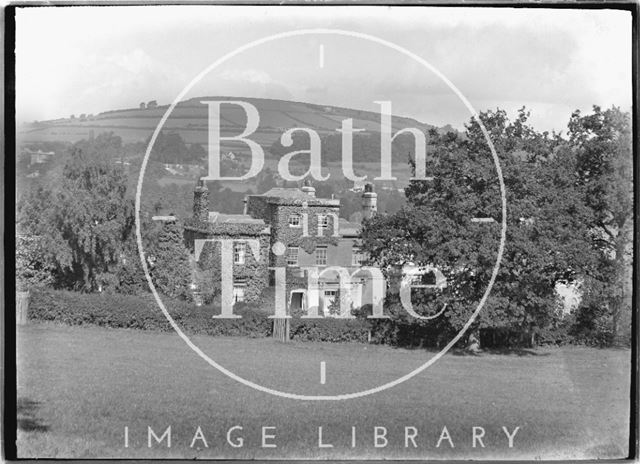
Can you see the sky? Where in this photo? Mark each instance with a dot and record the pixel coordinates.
(77, 60)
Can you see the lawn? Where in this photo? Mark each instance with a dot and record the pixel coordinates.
(79, 387)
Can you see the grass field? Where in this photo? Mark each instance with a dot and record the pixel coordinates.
(79, 387)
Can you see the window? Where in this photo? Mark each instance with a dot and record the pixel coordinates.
(292, 256)
(238, 289)
(238, 293)
(294, 220)
(238, 253)
(357, 257)
(323, 221)
(321, 256)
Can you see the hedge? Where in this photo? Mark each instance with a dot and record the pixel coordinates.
(142, 312)
(330, 330)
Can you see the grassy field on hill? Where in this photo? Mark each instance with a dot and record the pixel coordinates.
(190, 119)
(79, 387)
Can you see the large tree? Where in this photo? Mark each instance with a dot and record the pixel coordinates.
(601, 142)
(82, 220)
(547, 237)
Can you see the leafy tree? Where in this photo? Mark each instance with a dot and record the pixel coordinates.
(82, 221)
(546, 225)
(601, 142)
(266, 180)
(170, 148)
(196, 152)
(32, 269)
(170, 268)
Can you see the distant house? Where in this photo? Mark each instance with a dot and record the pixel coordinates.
(183, 169)
(38, 156)
(143, 105)
(125, 165)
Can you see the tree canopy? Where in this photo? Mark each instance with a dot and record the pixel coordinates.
(548, 236)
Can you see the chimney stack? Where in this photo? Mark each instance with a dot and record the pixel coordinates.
(369, 202)
(201, 201)
(308, 189)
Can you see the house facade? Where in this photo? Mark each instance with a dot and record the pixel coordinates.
(296, 231)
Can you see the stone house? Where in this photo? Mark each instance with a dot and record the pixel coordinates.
(298, 232)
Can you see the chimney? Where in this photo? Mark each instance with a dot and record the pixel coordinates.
(308, 189)
(369, 202)
(201, 201)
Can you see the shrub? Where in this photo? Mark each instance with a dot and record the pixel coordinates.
(142, 312)
(330, 330)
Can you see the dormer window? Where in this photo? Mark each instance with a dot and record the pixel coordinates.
(294, 220)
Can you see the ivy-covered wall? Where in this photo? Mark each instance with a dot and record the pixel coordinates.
(293, 236)
(254, 271)
(275, 213)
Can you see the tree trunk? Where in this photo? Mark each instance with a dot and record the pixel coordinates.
(281, 328)
(22, 307)
(473, 343)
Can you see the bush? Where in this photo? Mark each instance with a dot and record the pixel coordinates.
(107, 310)
(142, 312)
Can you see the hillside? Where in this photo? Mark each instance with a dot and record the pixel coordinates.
(189, 118)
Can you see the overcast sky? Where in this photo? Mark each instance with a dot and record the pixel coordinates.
(93, 59)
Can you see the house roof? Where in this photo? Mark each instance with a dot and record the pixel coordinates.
(221, 218)
(296, 196)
